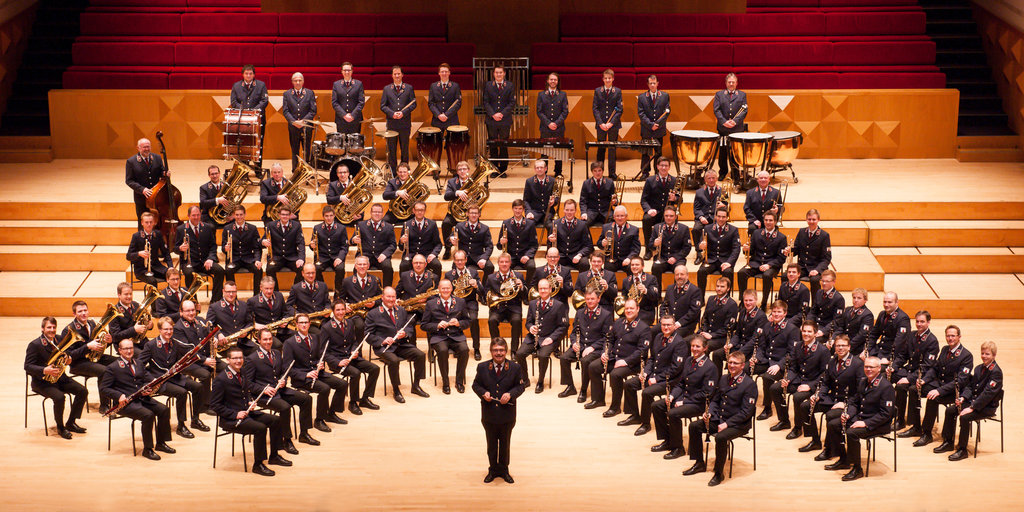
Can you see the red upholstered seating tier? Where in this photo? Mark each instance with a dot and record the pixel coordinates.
(866, 23)
(216, 54)
(130, 23)
(678, 25)
(883, 53)
(796, 24)
(412, 25)
(306, 55)
(424, 54)
(682, 54)
(782, 54)
(587, 24)
(590, 80)
(327, 24)
(73, 79)
(582, 54)
(933, 80)
(228, 24)
(123, 54)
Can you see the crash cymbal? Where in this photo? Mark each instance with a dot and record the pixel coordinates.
(387, 134)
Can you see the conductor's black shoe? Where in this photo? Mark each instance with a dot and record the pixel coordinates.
(447, 253)
(289, 447)
(582, 398)
(632, 419)
(199, 425)
(321, 425)
(308, 439)
(569, 391)
(958, 455)
(610, 412)
(715, 480)
(260, 469)
(697, 467)
(446, 389)
(674, 454)
(540, 387)
(162, 447)
(854, 474)
(461, 388)
(910, 432)
(508, 478)
(183, 431)
(399, 398)
(823, 456)
(643, 429)
(765, 414)
(837, 465)
(593, 404)
(63, 432)
(353, 408)
(793, 434)
(334, 418)
(782, 425)
(662, 447)
(476, 355)
(150, 454)
(418, 391)
(368, 404)
(923, 440)
(946, 446)
(489, 478)
(810, 447)
(74, 428)
(278, 460)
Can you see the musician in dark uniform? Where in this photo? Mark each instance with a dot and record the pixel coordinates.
(948, 375)
(337, 192)
(891, 330)
(200, 240)
(590, 329)
(714, 324)
(761, 200)
(331, 248)
(683, 301)
(169, 302)
(751, 323)
(398, 102)
(911, 361)
(607, 119)
(870, 414)
(376, 239)
(413, 282)
(269, 306)
(658, 192)
(232, 394)
(498, 383)
(552, 109)
(572, 238)
(669, 244)
(795, 294)
(653, 108)
(706, 201)
(390, 334)
(80, 365)
(813, 248)
(518, 237)
(159, 355)
(855, 322)
(460, 273)
(298, 105)
(827, 306)
(696, 378)
(597, 194)
(208, 196)
(499, 98)
(142, 171)
(308, 374)
(242, 240)
(979, 399)
(265, 367)
(511, 309)
(620, 240)
(722, 244)
(475, 239)
(445, 319)
(285, 239)
(309, 295)
(625, 345)
(359, 287)
(666, 347)
(37, 357)
(765, 258)
(249, 93)
(344, 356)
(547, 322)
(125, 326)
(648, 290)
(188, 331)
(771, 354)
(347, 98)
(422, 238)
(121, 379)
(394, 189)
(838, 385)
(728, 109)
(158, 255)
(561, 274)
(539, 194)
(231, 315)
(452, 191)
(444, 102)
(270, 192)
(729, 415)
(807, 364)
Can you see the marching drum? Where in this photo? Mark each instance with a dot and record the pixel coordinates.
(242, 134)
(354, 144)
(429, 142)
(697, 149)
(749, 151)
(456, 142)
(785, 146)
(335, 144)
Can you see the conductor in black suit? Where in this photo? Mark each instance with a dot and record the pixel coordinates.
(653, 108)
(347, 98)
(498, 383)
(499, 98)
(552, 109)
(142, 171)
(299, 104)
(607, 117)
(730, 118)
(249, 93)
(398, 101)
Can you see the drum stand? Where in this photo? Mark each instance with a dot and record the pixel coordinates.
(748, 173)
(772, 169)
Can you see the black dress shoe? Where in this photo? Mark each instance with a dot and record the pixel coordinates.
(150, 454)
(278, 460)
(367, 403)
(508, 478)
(199, 425)
(643, 429)
(593, 405)
(489, 478)
(715, 480)
(674, 454)
(74, 428)
(810, 447)
(446, 389)
(63, 432)
(461, 388)
(539, 388)
(289, 447)
(765, 414)
(910, 432)
(418, 391)
(661, 447)
(610, 413)
(697, 467)
(923, 440)
(823, 456)
(837, 465)
(958, 455)
(399, 398)
(632, 419)
(793, 434)
(447, 253)
(334, 418)
(782, 425)
(946, 446)
(308, 439)
(260, 469)
(476, 357)
(183, 431)
(581, 398)
(854, 474)
(568, 391)
(354, 409)
(162, 447)
(321, 425)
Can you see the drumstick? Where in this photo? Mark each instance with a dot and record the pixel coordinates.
(371, 120)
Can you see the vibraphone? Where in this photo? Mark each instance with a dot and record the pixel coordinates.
(644, 146)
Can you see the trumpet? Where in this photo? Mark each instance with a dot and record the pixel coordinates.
(659, 242)
(509, 289)
(149, 259)
(268, 256)
(704, 251)
(187, 254)
(501, 234)
(228, 253)
(313, 245)
(620, 189)
(60, 359)
(609, 243)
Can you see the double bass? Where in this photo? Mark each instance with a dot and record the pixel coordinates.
(165, 200)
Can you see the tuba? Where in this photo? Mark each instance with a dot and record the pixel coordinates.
(476, 188)
(234, 190)
(143, 315)
(293, 190)
(103, 328)
(60, 358)
(510, 289)
(401, 208)
(358, 193)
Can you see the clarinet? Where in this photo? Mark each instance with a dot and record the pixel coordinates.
(643, 365)
(783, 369)
(707, 420)
(845, 416)
(956, 395)
(579, 345)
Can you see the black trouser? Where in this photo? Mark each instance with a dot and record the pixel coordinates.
(159, 273)
(530, 267)
(87, 368)
(668, 423)
(202, 374)
(582, 266)
(545, 133)
(387, 271)
(646, 398)
(499, 151)
(441, 349)
(647, 225)
(487, 269)
(543, 353)
(767, 380)
(140, 208)
(775, 390)
(257, 274)
(300, 138)
(649, 156)
(473, 310)
(217, 274)
(565, 362)
(908, 403)
(447, 225)
(433, 265)
(512, 316)
(596, 218)
(616, 378)
(802, 414)
(56, 391)
(716, 347)
(179, 390)
(853, 437)
(282, 404)
(499, 435)
(610, 135)
(257, 424)
(966, 421)
(148, 411)
(833, 441)
(725, 164)
(715, 269)
(697, 431)
(394, 143)
(281, 265)
(353, 370)
(322, 386)
(696, 236)
(767, 281)
(401, 353)
(660, 268)
(339, 272)
(813, 281)
(931, 408)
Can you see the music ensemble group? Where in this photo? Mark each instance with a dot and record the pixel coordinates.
(668, 355)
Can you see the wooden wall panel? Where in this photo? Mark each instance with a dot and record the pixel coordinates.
(1003, 44)
(17, 16)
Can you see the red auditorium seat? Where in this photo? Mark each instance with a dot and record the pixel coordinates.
(224, 3)
(782, 54)
(582, 54)
(610, 27)
(781, 3)
(883, 53)
(229, 24)
(223, 54)
(866, 23)
(138, 4)
(647, 55)
(421, 57)
(588, 81)
(770, 24)
(122, 54)
(310, 26)
(412, 25)
(679, 25)
(130, 23)
(218, 81)
(75, 79)
(331, 55)
(865, 3)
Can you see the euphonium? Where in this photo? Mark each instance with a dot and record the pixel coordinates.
(400, 207)
(198, 281)
(509, 290)
(234, 190)
(143, 315)
(60, 359)
(357, 192)
(476, 189)
(103, 327)
(293, 190)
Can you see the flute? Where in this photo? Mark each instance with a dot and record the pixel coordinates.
(280, 384)
(395, 342)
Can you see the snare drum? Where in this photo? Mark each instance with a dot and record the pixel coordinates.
(749, 149)
(429, 142)
(785, 146)
(456, 142)
(335, 144)
(354, 144)
(695, 147)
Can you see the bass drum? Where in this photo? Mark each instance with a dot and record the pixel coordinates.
(353, 167)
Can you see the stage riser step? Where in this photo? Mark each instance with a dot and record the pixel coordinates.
(953, 237)
(951, 264)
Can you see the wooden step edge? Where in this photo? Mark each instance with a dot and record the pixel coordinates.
(26, 156)
(988, 141)
(989, 155)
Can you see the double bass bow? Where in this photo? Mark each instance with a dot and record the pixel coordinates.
(165, 200)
